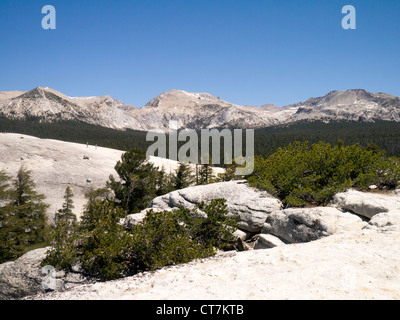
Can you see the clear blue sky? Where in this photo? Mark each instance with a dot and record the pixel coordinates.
(246, 52)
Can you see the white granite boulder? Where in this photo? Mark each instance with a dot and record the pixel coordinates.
(25, 276)
(267, 241)
(365, 204)
(252, 206)
(22, 277)
(385, 221)
(296, 225)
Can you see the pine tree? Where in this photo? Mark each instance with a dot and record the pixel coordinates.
(88, 218)
(164, 182)
(105, 245)
(206, 174)
(4, 216)
(183, 177)
(66, 212)
(197, 174)
(230, 172)
(136, 186)
(4, 195)
(64, 236)
(4, 186)
(25, 225)
(63, 253)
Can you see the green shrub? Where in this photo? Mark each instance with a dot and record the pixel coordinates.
(62, 254)
(162, 239)
(98, 243)
(63, 237)
(136, 184)
(106, 250)
(167, 238)
(301, 174)
(105, 245)
(213, 230)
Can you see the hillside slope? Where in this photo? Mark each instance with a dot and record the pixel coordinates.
(57, 164)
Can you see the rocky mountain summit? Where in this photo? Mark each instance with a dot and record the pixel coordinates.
(201, 110)
(195, 110)
(49, 105)
(352, 105)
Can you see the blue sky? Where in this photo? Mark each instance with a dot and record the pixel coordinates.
(246, 52)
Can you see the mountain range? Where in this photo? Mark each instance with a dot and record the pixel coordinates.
(195, 110)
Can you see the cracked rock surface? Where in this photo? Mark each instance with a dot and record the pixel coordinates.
(250, 205)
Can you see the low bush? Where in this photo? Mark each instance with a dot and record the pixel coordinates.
(106, 250)
(301, 174)
(162, 239)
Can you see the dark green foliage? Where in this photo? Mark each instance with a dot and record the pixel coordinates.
(105, 245)
(63, 237)
(165, 238)
(163, 182)
(64, 240)
(205, 174)
(66, 212)
(79, 132)
(28, 213)
(106, 250)
(5, 193)
(99, 243)
(384, 134)
(230, 172)
(136, 186)
(300, 174)
(4, 186)
(89, 217)
(5, 198)
(24, 221)
(216, 229)
(389, 174)
(183, 177)
(162, 239)
(267, 140)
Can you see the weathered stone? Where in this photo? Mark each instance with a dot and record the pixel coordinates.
(50, 279)
(365, 204)
(243, 235)
(266, 241)
(242, 245)
(250, 205)
(25, 276)
(385, 221)
(308, 224)
(133, 219)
